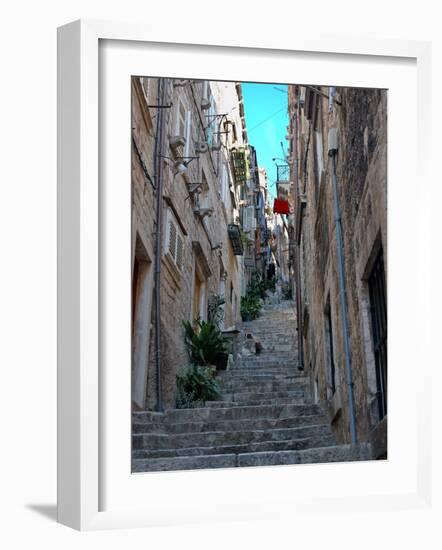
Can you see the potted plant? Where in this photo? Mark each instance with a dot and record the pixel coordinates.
(250, 306)
(205, 343)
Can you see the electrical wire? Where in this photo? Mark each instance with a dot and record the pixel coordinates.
(266, 119)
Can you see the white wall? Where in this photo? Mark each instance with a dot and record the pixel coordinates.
(28, 276)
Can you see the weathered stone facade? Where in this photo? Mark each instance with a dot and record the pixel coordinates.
(184, 133)
(360, 119)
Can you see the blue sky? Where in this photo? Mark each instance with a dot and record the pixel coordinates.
(266, 119)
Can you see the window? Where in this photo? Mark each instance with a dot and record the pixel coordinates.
(174, 240)
(183, 125)
(378, 313)
(331, 97)
(330, 359)
(206, 90)
(234, 136)
(224, 183)
(188, 134)
(180, 119)
(318, 152)
(211, 122)
(145, 85)
(249, 217)
(203, 196)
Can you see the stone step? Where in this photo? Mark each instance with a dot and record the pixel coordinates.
(249, 368)
(282, 328)
(227, 425)
(275, 350)
(261, 386)
(268, 356)
(272, 324)
(270, 366)
(337, 453)
(262, 401)
(155, 441)
(230, 393)
(265, 446)
(257, 377)
(184, 463)
(207, 414)
(239, 396)
(268, 340)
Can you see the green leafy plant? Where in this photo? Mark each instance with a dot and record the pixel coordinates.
(258, 286)
(251, 302)
(204, 342)
(250, 306)
(196, 385)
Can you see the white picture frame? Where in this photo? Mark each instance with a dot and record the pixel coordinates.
(82, 445)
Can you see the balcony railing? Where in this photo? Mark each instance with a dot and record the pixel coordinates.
(234, 233)
(283, 173)
(239, 166)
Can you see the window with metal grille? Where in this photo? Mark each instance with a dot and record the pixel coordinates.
(378, 311)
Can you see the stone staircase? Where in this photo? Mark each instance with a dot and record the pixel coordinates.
(265, 415)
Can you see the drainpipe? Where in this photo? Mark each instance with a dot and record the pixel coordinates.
(158, 170)
(297, 238)
(332, 152)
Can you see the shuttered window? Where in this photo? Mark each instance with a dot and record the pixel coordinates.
(172, 238)
(179, 252)
(174, 241)
(224, 178)
(249, 218)
(188, 134)
(180, 127)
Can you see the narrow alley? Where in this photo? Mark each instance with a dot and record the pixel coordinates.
(259, 274)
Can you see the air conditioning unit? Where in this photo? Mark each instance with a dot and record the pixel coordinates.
(179, 83)
(205, 104)
(201, 147)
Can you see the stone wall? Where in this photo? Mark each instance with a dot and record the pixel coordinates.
(361, 122)
(203, 264)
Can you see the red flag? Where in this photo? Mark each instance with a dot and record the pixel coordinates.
(281, 206)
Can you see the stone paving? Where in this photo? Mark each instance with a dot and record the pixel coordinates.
(265, 416)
